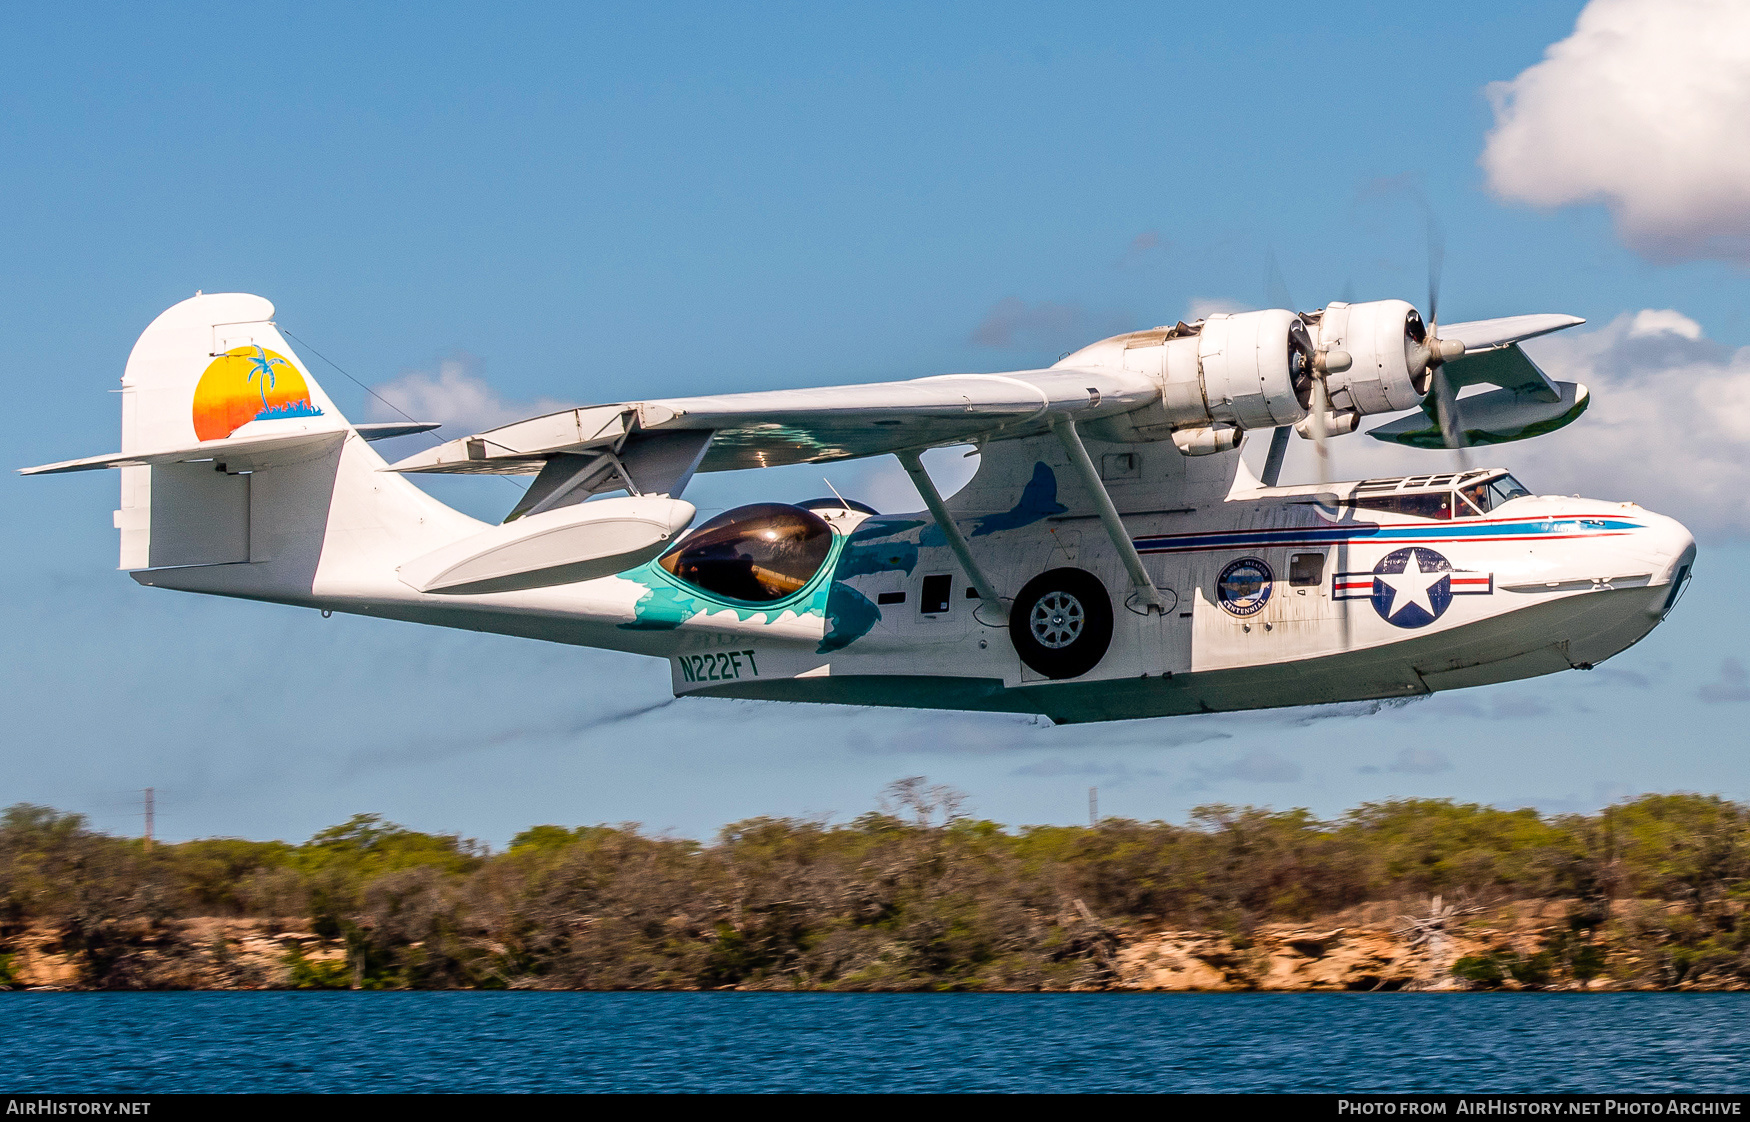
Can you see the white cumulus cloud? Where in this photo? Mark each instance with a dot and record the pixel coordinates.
(1651, 322)
(1643, 108)
(454, 394)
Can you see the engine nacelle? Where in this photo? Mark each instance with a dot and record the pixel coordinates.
(1254, 370)
(1381, 337)
(1250, 370)
(1208, 440)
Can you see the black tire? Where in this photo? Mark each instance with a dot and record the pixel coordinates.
(1061, 623)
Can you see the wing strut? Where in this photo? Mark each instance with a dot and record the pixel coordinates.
(926, 486)
(1084, 468)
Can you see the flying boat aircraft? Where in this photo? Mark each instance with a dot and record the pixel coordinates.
(1111, 558)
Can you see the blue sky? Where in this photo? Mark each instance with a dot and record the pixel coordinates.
(610, 204)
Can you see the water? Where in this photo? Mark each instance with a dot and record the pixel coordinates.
(163, 1042)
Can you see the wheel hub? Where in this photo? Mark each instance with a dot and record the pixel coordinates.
(1056, 620)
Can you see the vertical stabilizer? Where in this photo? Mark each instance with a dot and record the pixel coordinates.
(291, 497)
(209, 366)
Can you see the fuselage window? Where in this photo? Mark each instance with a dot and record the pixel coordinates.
(1473, 500)
(757, 553)
(1306, 569)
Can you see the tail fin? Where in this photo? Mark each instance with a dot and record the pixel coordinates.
(241, 477)
(210, 366)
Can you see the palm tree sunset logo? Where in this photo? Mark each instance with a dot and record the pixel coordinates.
(249, 383)
(261, 366)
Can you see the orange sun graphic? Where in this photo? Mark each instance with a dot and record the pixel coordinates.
(248, 384)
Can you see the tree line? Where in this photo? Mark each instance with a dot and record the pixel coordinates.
(915, 894)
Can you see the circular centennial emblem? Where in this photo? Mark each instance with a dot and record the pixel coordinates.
(1412, 587)
(1244, 586)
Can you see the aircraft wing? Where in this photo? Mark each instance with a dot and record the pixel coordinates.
(1483, 334)
(770, 428)
(1492, 354)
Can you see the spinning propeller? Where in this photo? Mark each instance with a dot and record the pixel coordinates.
(1316, 364)
(1326, 361)
(1432, 352)
(1427, 356)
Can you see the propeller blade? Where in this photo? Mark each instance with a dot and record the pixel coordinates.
(1436, 264)
(1446, 412)
(1321, 404)
(1446, 409)
(1276, 294)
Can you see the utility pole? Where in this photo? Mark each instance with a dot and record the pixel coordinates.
(148, 820)
(1093, 806)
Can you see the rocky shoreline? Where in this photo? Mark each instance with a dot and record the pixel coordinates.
(1648, 894)
(1373, 947)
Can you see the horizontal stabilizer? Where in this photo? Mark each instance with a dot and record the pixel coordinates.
(245, 450)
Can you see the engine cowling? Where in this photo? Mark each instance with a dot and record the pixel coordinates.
(1253, 370)
(1381, 337)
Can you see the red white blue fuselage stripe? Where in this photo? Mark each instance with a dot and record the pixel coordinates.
(1465, 530)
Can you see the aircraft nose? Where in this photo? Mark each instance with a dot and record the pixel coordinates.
(1668, 548)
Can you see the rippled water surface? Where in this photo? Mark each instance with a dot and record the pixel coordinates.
(66, 1042)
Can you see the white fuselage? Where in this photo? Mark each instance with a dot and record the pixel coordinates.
(1536, 586)
(1322, 600)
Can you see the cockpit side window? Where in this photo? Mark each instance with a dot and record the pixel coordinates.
(756, 554)
(1473, 500)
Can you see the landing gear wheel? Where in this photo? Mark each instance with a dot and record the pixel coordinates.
(1061, 623)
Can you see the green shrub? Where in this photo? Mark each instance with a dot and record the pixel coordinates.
(1480, 970)
(311, 974)
(1531, 971)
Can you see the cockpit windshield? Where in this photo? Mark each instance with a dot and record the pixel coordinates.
(1489, 494)
(757, 553)
(1425, 497)
(1505, 488)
